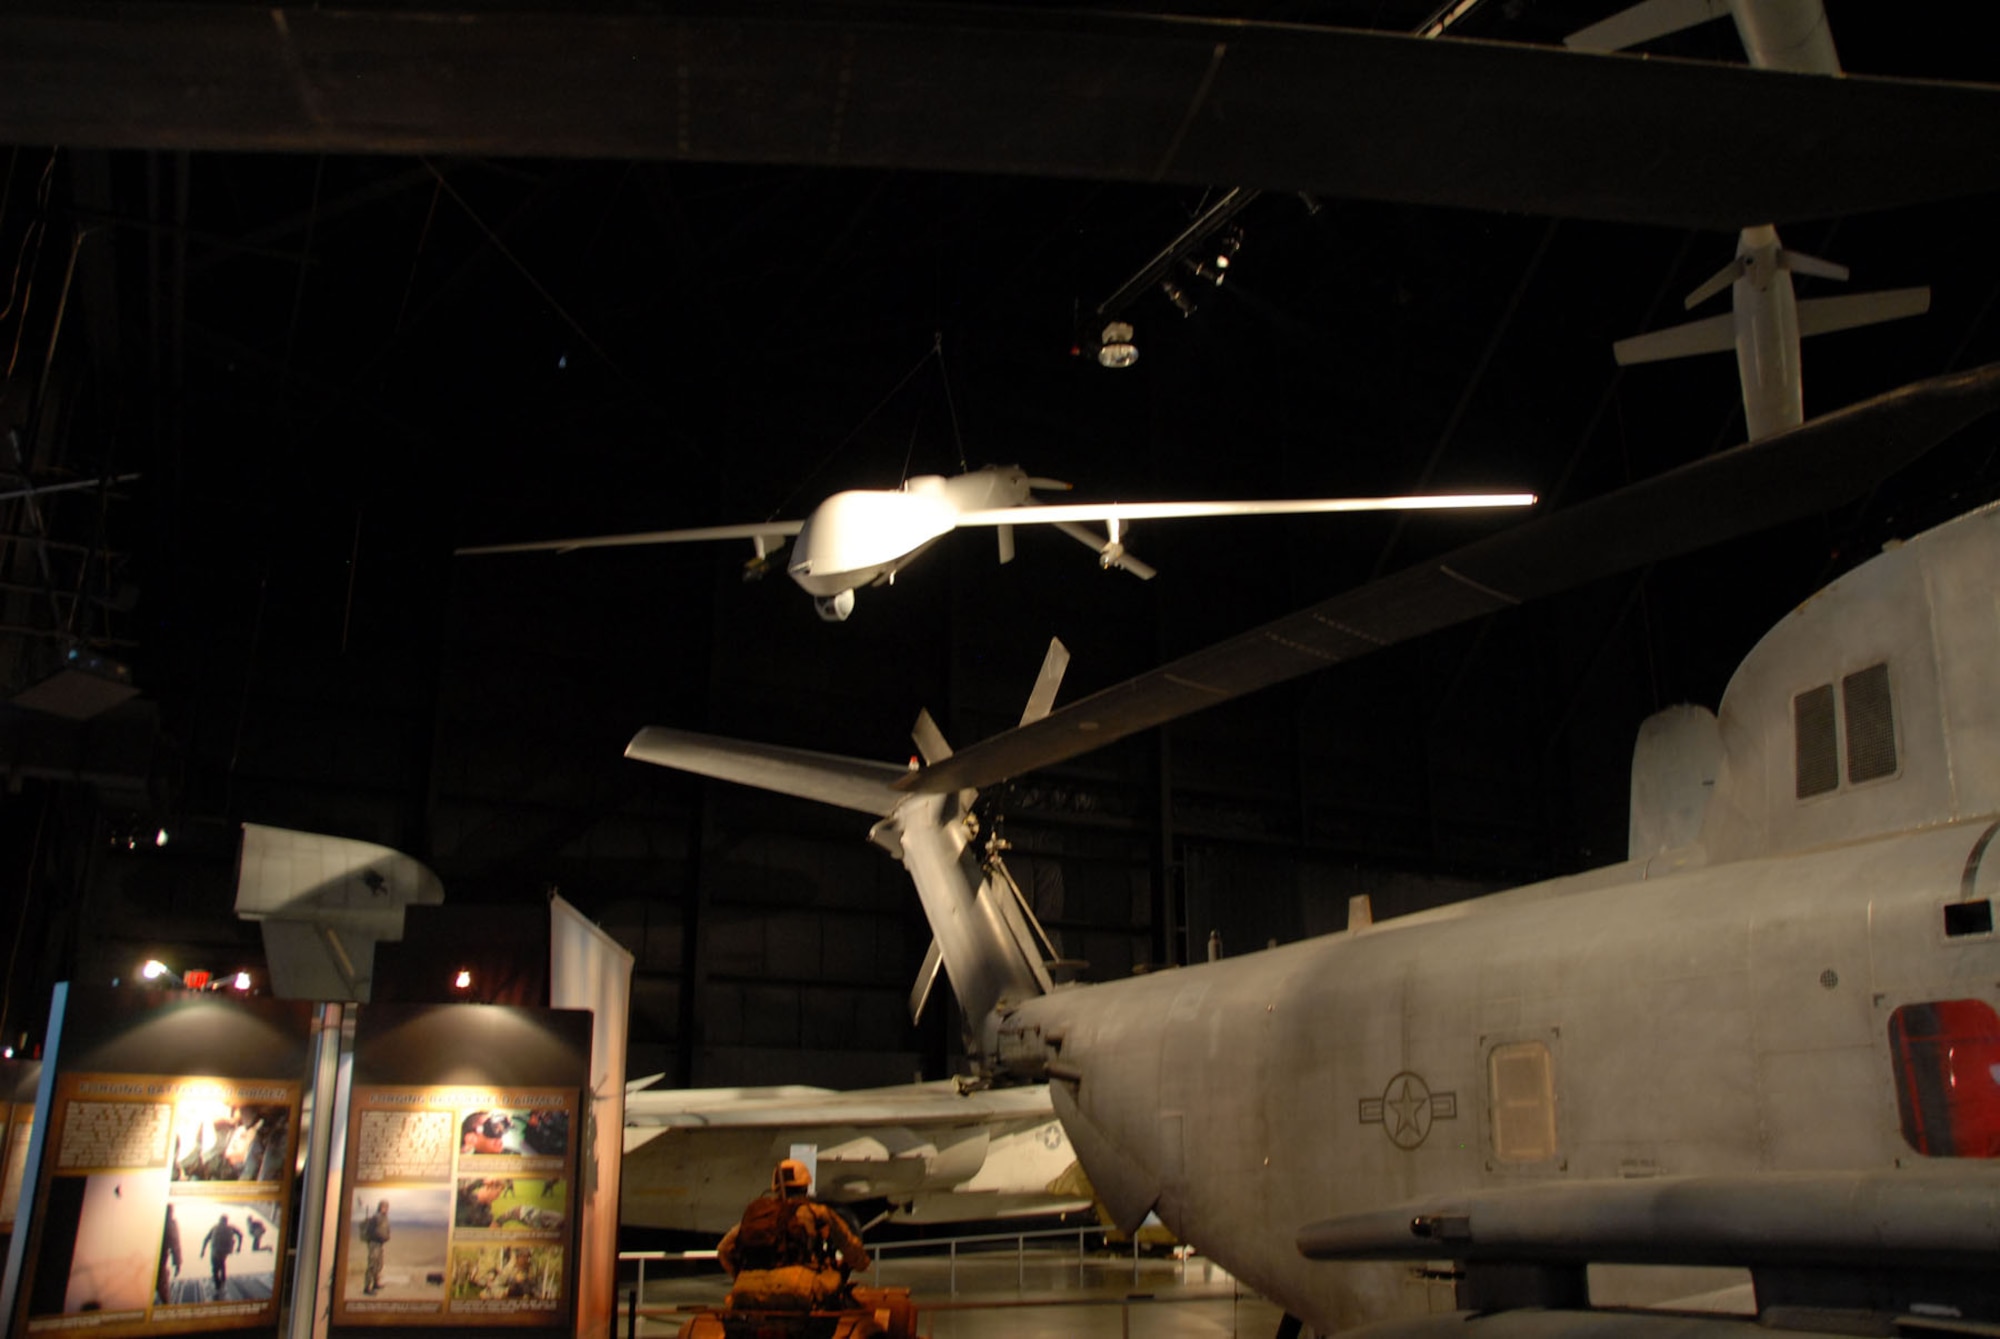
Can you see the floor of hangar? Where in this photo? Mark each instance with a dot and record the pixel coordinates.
(1037, 1293)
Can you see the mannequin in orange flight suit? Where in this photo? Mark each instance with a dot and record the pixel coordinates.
(790, 1252)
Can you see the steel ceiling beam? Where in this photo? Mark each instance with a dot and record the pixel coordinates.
(1123, 97)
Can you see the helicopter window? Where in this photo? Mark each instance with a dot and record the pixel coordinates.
(1817, 751)
(1968, 918)
(1521, 1079)
(1946, 1055)
(1871, 724)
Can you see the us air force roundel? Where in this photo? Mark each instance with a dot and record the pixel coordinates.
(1406, 1109)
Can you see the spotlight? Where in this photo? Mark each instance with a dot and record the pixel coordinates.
(155, 969)
(160, 837)
(242, 981)
(1226, 249)
(1178, 296)
(463, 981)
(1115, 346)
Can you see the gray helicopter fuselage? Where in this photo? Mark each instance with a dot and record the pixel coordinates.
(1613, 1025)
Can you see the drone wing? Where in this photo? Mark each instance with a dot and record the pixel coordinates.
(761, 530)
(1073, 513)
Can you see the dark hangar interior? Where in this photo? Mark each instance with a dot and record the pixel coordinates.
(304, 378)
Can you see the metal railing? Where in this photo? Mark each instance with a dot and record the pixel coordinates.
(636, 1310)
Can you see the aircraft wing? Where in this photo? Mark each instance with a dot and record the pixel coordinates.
(758, 530)
(1812, 467)
(694, 1158)
(1071, 513)
(792, 1106)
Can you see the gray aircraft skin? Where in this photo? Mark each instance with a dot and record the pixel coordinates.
(1768, 1039)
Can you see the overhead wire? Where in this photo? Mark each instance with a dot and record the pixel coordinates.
(541, 291)
(937, 347)
(861, 423)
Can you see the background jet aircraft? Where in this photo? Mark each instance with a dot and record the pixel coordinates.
(1766, 1040)
(930, 1152)
(864, 536)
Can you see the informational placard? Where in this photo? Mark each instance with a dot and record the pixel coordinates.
(458, 1206)
(166, 1204)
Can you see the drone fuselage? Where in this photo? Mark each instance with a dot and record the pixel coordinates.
(866, 535)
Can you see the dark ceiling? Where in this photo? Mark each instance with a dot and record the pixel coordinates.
(331, 369)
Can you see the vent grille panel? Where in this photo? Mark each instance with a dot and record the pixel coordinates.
(1871, 724)
(1818, 760)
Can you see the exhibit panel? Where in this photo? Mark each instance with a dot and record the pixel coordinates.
(17, 1127)
(458, 1192)
(167, 1165)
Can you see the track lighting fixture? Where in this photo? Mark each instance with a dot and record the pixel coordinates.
(1207, 272)
(1178, 296)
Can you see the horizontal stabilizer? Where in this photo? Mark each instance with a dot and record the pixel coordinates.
(763, 532)
(1818, 465)
(1109, 552)
(1879, 1220)
(1711, 334)
(1645, 22)
(850, 783)
(1798, 262)
(1820, 316)
(1714, 284)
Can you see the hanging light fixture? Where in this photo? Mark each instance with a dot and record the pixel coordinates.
(1115, 346)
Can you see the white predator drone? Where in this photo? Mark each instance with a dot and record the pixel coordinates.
(864, 536)
(1768, 1041)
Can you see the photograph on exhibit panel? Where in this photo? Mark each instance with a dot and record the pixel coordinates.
(218, 1140)
(531, 1133)
(117, 1237)
(218, 1249)
(396, 1247)
(506, 1276)
(526, 1204)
